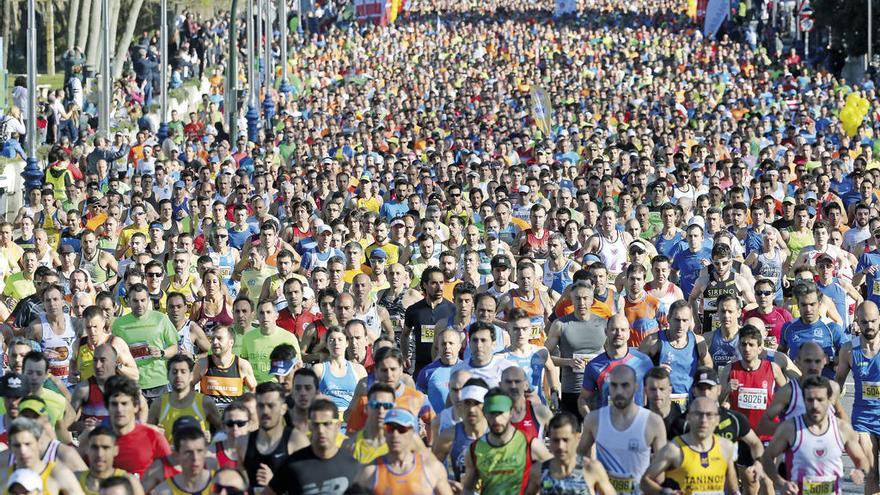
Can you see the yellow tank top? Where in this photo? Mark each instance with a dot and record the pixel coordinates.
(702, 472)
(186, 289)
(85, 360)
(44, 475)
(83, 476)
(169, 414)
(366, 453)
(371, 204)
(176, 490)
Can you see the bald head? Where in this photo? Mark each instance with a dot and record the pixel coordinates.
(869, 319)
(621, 372)
(811, 358)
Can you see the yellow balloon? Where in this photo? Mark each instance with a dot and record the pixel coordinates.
(852, 98)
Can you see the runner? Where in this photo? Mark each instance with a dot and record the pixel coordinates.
(236, 424)
(531, 359)
(422, 318)
(97, 332)
(451, 445)
(532, 297)
(182, 400)
(56, 332)
(623, 433)
(720, 279)
(814, 444)
(810, 327)
(698, 461)
(223, 376)
(101, 451)
(483, 363)
(338, 377)
(55, 478)
(258, 343)
(528, 414)
(369, 443)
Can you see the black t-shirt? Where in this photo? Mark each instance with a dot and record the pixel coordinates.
(306, 473)
(422, 320)
(674, 421)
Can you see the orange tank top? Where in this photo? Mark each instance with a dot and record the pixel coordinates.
(535, 310)
(417, 481)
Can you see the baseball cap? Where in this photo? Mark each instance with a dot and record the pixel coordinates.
(500, 261)
(11, 385)
(27, 478)
(706, 376)
(497, 404)
(698, 221)
(179, 184)
(402, 417)
(378, 253)
(157, 226)
(810, 195)
(473, 392)
(788, 199)
(321, 229)
(185, 422)
(282, 367)
(66, 249)
(398, 222)
(34, 404)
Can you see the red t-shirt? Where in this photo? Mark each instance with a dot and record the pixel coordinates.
(773, 321)
(295, 324)
(139, 448)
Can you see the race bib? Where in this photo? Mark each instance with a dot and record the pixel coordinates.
(428, 334)
(876, 287)
(752, 398)
(140, 350)
(822, 485)
(537, 323)
(622, 485)
(585, 357)
(61, 371)
(871, 390)
(680, 399)
(770, 342)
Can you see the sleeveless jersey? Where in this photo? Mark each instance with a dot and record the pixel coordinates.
(795, 405)
(797, 241)
(681, 363)
(557, 281)
(529, 425)
(44, 475)
(184, 339)
(605, 306)
(82, 477)
(61, 345)
(754, 241)
(533, 366)
(416, 481)
(624, 454)
(770, 268)
(209, 323)
(187, 288)
(274, 459)
(816, 461)
(94, 406)
(224, 385)
(723, 352)
(535, 309)
(573, 484)
(365, 453)
(699, 472)
(340, 389)
(838, 296)
(371, 320)
(97, 273)
(225, 264)
(866, 375)
(715, 289)
(461, 443)
(168, 414)
(223, 459)
(612, 253)
(536, 246)
(752, 391)
(177, 490)
(504, 470)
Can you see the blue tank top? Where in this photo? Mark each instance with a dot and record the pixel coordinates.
(866, 404)
(557, 281)
(723, 351)
(838, 296)
(460, 445)
(533, 367)
(669, 247)
(682, 363)
(499, 337)
(753, 241)
(340, 389)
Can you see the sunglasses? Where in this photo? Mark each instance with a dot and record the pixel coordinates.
(241, 423)
(374, 404)
(397, 428)
(763, 292)
(154, 274)
(636, 251)
(228, 490)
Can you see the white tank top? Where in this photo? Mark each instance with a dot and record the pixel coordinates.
(371, 320)
(184, 340)
(61, 345)
(796, 404)
(815, 461)
(613, 254)
(624, 454)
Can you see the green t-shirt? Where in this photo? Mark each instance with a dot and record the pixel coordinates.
(55, 404)
(252, 280)
(256, 348)
(152, 329)
(19, 287)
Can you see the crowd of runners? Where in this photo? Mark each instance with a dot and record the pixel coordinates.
(409, 284)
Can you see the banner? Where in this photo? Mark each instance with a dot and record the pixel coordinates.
(564, 7)
(716, 12)
(542, 110)
(371, 11)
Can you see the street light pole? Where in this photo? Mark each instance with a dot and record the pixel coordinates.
(32, 175)
(252, 114)
(282, 24)
(230, 100)
(268, 103)
(870, 34)
(106, 88)
(163, 77)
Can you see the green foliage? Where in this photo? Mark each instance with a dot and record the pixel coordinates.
(848, 20)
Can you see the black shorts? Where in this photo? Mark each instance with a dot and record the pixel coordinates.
(569, 402)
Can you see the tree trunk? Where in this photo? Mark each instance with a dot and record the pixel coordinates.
(6, 29)
(125, 42)
(49, 20)
(93, 52)
(115, 7)
(72, 17)
(84, 20)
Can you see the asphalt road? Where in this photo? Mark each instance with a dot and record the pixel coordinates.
(849, 486)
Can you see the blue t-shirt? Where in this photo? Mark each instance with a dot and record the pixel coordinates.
(433, 381)
(670, 247)
(688, 264)
(238, 238)
(393, 209)
(872, 282)
(826, 333)
(598, 368)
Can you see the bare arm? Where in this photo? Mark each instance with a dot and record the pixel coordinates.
(669, 457)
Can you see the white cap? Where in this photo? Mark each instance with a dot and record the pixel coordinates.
(697, 220)
(27, 478)
(473, 392)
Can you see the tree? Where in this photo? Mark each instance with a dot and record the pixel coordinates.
(49, 20)
(84, 20)
(92, 53)
(72, 17)
(125, 42)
